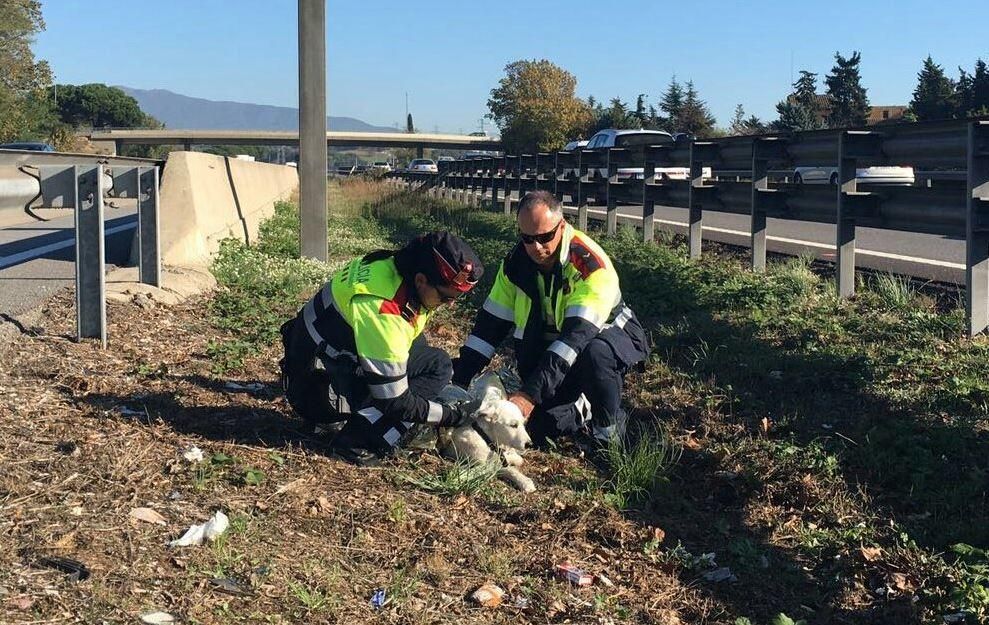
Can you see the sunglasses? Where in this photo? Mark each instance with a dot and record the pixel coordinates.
(446, 299)
(542, 238)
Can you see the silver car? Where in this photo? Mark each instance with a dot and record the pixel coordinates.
(424, 165)
(612, 138)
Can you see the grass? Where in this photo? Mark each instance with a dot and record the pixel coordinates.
(461, 477)
(639, 467)
(817, 425)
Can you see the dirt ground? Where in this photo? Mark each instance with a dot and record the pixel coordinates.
(88, 436)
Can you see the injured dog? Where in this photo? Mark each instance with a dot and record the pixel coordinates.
(497, 437)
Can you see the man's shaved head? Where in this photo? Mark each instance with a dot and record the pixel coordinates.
(540, 213)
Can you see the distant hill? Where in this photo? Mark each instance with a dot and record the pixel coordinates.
(186, 113)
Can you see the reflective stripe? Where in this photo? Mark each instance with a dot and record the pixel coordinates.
(309, 316)
(326, 296)
(519, 332)
(370, 413)
(383, 367)
(480, 346)
(621, 319)
(392, 436)
(389, 390)
(564, 351)
(435, 413)
(586, 313)
(498, 310)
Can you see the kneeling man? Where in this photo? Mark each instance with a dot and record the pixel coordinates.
(574, 334)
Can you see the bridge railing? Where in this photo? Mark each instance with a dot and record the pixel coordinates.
(952, 210)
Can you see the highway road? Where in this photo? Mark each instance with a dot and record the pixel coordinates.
(37, 259)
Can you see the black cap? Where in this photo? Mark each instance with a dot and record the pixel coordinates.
(448, 260)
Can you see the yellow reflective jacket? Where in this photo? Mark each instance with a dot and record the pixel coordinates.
(554, 316)
(369, 314)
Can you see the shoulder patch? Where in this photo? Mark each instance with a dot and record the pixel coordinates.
(401, 304)
(583, 258)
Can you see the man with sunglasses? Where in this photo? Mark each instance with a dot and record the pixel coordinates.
(575, 338)
(355, 354)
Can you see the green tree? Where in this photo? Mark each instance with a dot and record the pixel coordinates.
(671, 103)
(847, 97)
(934, 96)
(98, 105)
(409, 126)
(25, 112)
(741, 125)
(695, 118)
(536, 108)
(617, 115)
(972, 91)
(801, 110)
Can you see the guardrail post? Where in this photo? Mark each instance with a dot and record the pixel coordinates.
(581, 191)
(90, 264)
(648, 204)
(149, 258)
(611, 219)
(696, 213)
(852, 144)
(977, 229)
(763, 150)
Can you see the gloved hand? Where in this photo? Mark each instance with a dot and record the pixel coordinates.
(456, 377)
(461, 413)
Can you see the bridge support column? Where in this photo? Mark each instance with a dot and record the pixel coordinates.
(419, 151)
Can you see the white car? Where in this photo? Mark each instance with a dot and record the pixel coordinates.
(864, 175)
(423, 165)
(574, 145)
(612, 138)
(381, 166)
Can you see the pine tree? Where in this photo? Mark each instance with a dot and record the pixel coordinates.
(671, 103)
(805, 91)
(848, 99)
(695, 118)
(794, 118)
(934, 97)
(738, 121)
(980, 89)
(640, 111)
(409, 126)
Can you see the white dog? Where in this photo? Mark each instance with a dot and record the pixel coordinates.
(496, 437)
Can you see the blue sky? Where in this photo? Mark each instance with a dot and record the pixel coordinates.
(448, 55)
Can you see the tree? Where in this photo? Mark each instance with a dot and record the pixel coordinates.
(801, 109)
(934, 96)
(536, 108)
(671, 103)
(409, 126)
(695, 118)
(848, 99)
(972, 91)
(25, 112)
(741, 125)
(98, 105)
(640, 111)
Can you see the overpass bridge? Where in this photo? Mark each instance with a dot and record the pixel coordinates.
(115, 139)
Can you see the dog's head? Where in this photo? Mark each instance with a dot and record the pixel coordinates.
(503, 423)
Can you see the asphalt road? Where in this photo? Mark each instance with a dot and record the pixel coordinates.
(38, 259)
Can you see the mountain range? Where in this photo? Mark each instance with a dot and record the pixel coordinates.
(183, 112)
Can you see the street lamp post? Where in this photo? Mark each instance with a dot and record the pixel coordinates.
(312, 129)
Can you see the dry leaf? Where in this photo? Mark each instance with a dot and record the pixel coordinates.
(658, 535)
(692, 444)
(294, 485)
(24, 602)
(901, 582)
(67, 542)
(764, 425)
(489, 595)
(147, 515)
(871, 554)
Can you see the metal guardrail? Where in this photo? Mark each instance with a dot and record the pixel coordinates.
(955, 210)
(85, 188)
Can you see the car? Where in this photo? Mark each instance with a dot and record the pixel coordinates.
(886, 175)
(381, 166)
(614, 138)
(444, 159)
(423, 165)
(574, 145)
(32, 146)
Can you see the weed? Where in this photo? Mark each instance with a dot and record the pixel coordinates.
(893, 291)
(312, 599)
(397, 511)
(638, 468)
(462, 477)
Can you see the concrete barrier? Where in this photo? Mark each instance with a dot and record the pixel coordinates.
(16, 190)
(206, 198)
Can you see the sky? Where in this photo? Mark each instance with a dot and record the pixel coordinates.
(448, 55)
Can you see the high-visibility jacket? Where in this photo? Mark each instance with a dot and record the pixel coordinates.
(554, 316)
(369, 314)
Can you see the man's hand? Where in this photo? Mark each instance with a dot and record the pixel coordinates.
(524, 402)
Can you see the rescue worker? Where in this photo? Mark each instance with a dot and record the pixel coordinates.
(355, 352)
(574, 335)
